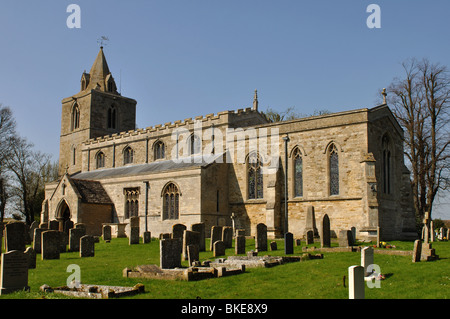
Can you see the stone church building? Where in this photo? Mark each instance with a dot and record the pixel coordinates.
(227, 168)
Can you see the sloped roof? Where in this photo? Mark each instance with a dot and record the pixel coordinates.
(91, 192)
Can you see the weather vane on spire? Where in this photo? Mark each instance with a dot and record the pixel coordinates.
(102, 41)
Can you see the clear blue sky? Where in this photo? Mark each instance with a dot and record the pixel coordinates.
(184, 58)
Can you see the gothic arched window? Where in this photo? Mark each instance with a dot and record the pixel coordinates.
(298, 173)
(255, 177)
(112, 117)
(194, 144)
(171, 202)
(75, 117)
(131, 202)
(100, 160)
(159, 150)
(334, 169)
(128, 155)
(386, 163)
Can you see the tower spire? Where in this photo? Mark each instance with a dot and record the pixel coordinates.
(255, 101)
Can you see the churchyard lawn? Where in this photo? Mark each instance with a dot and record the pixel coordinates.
(310, 279)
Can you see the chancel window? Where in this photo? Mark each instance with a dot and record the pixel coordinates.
(255, 177)
(131, 202)
(159, 150)
(128, 154)
(171, 202)
(334, 169)
(298, 173)
(100, 160)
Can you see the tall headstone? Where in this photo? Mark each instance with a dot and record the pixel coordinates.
(170, 253)
(189, 238)
(227, 236)
(50, 244)
(417, 252)
(366, 259)
(216, 234)
(31, 255)
(177, 230)
(74, 238)
(309, 237)
(288, 243)
(106, 232)
(219, 248)
(33, 226)
(239, 244)
(311, 221)
(87, 246)
(134, 236)
(431, 230)
(356, 284)
(14, 272)
(325, 236)
(192, 253)
(261, 237)
(14, 236)
(37, 239)
(200, 228)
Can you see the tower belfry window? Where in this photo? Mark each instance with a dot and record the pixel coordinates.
(112, 118)
(75, 117)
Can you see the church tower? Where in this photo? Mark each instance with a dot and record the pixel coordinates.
(97, 110)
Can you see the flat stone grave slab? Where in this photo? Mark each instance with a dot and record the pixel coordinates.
(96, 291)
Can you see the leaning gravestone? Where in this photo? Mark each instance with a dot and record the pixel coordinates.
(170, 253)
(190, 238)
(216, 234)
(14, 272)
(239, 243)
(87, 246)
(261, 237)
(219, 248)
(200, 228)
(50, 244)
(227, 236)
(177, 230)
(74, 238)
(325, 236)
(14, 236)
(106, 232)
(417, 252)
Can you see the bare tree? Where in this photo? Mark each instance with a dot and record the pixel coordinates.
(420, 101)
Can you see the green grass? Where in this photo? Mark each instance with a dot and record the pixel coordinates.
(310, 279)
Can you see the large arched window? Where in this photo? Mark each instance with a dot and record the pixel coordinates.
(112, 117)
(131, 202)
(128, 154)
(75, 117)
(254, 177)
(298, 173)
(100, 160)
(386, 163)
(333, 158)
(159, 150)
(195, 144)
(171, 202)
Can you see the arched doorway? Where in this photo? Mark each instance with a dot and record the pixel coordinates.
(63, 215)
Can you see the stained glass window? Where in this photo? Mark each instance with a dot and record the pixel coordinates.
(255, 178)
(298, 173)
(334, 170)
(171, 199)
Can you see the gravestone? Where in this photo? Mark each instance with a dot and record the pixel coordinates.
(192, 253)
(239, 244)
(366, 259)
(33, 226)
(50, 244)
(325, 236)
(14, 272)
(273, 245)
(298, 242)
(43, 225)
(87, 246)
(177, 231)
(356, 284)
(216, 234)
(311, 221)
(63, 241)
(134, 236)
(345, 238)
(261, 237)
(425, 233)
(170, 253)
(227, 236)
(37, 239)
(68, 225)
(200, 228)
(219, 248)
(240, 232)
(31, 255)
(106, 232)
(417, 252)
(288, 243)
(53, 225)
(189, 238)
(165, 236)
(146, 237)
(74, 238)
(15, 236)
(309, 237)
(431, 230)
